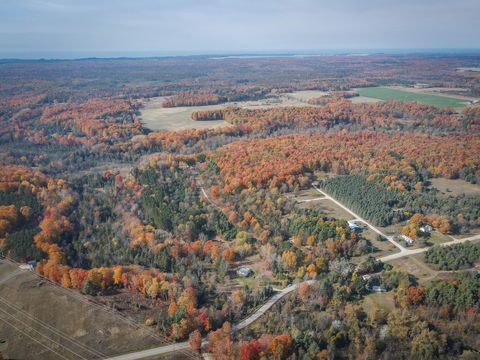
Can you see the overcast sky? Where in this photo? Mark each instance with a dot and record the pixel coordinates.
(100, 26)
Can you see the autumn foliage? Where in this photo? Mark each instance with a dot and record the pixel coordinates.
(285, 160)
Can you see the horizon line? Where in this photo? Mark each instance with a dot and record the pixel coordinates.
(59, 55)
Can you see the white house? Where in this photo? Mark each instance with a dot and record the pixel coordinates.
(376, 288)
(426, 228)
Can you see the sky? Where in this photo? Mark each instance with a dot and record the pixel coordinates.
(96, 27)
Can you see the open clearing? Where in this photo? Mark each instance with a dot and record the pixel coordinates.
(328, 207)
(364, 100)
(384, 247)
(304, 96)
(416, 266)
(31, 307)
(388, 93)
(155, 117)
(455, 187)
(383, 301)
(423, 271)
(308, 194)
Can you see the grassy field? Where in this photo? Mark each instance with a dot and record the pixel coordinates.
(308, 194)
(155, 117)
(306, 95)
(384, 93)
(384, 247)
(416, 266)
(382, 301)
(327, 207)
(52, 316)
(455, 187)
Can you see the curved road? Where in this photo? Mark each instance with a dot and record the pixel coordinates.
(241, 325)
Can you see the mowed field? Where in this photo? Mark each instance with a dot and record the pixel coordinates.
(386, 93)
(44, 321)
(155, 117)
(455, 187)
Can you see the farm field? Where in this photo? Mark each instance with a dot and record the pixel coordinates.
(384, 93)
(455, 187)
(84, 329)
(155, 117)
(305, 95)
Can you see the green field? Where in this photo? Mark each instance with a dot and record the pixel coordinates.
(394, 94)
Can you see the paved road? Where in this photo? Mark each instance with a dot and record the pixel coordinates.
(359, 218)
(237, 327)
(421, 250)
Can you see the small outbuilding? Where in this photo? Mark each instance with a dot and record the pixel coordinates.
(354, 227)
(407, 239)
(26, 267)
(244, 272)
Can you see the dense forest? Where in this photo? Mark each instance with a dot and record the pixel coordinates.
(454, 257)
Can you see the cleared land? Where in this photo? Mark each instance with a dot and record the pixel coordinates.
(364, 100)
(327, 207)
(455, 187)
(384, 247)
(155, 117)
(37, 317)
(304, 96)
(309, 194)
(423, 271)
(416, 266)
(382, 301)
(385, 93)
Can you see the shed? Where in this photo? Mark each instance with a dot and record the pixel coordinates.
(244, 271)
